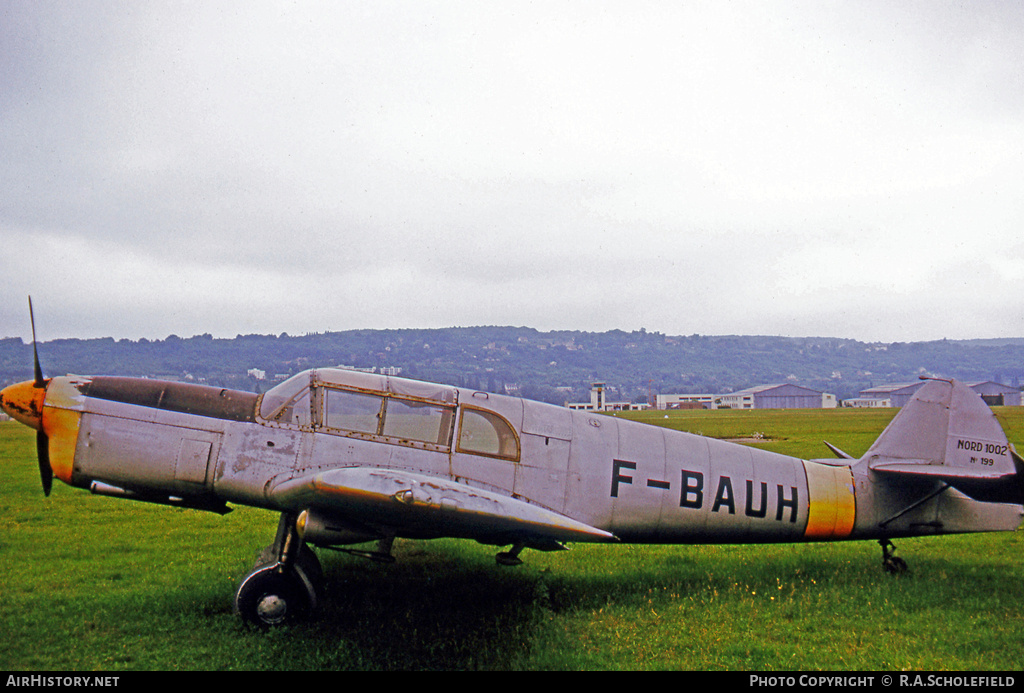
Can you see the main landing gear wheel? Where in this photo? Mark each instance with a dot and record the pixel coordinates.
(284, 584)
(894, 565)
(274, 595)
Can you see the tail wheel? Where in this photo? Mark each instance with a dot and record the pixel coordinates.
(894, 565)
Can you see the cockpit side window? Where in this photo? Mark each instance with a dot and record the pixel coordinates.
(401, 420)
(485, 433)
(412, 420)
(353, 411)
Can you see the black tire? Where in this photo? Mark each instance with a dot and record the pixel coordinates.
(894, 565)
(269, 597)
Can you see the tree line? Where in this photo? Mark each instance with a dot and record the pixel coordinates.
(555, 366)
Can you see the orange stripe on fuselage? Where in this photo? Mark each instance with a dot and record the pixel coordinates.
(832, 507)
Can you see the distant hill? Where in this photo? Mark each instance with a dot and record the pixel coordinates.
(1003, 341)
(550, 366)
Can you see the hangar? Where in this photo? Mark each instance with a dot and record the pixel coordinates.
(898, 394)
(998, 395)
(785, 396)
(995, 394)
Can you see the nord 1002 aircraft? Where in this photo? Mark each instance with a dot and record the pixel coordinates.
(347, 458)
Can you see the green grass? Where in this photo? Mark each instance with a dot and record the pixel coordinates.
(784, 431)
(95, 583)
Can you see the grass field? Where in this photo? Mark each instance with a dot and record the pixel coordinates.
(94, 583)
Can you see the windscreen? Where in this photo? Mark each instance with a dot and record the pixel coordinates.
(284, 403)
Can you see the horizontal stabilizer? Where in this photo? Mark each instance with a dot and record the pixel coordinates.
(925, 469)
(987, 486)
(413, 504)
(837, 452)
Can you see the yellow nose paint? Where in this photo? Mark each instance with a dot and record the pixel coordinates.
(24, 402)
(61, 428)
(61, 418)
(56, 410)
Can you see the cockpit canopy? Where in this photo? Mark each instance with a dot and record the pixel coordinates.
(279, 399)
(392, 410)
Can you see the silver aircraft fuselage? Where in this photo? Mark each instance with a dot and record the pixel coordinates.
(347, 458)
(204, 447)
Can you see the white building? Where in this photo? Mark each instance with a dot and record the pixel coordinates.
(867, 402)
(684, 401)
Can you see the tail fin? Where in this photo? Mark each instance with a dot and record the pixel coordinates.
(948, 433)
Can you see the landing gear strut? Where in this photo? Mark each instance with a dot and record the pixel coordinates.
(284, 584)
(893, 565)
(511, 557)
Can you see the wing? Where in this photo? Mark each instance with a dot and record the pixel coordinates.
(419, 505)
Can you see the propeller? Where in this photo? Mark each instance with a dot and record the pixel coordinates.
(42, 440)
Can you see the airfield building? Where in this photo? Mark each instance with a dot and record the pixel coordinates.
(598, 402)
(785, 396)
(998, 395)
(897, 395)
(867, 402)
(684, 401)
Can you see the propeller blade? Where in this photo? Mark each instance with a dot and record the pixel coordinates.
(42, 440)
(35, 351)
(43, 453)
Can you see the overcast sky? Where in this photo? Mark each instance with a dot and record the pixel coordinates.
(838, 169)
